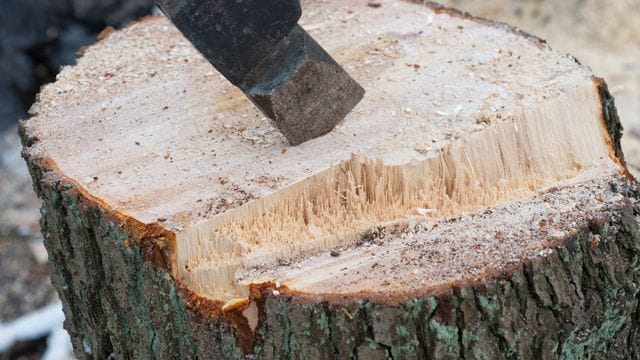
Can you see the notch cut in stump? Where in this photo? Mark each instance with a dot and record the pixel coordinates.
(475, 204)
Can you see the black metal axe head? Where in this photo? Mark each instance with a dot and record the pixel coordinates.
(259, 47)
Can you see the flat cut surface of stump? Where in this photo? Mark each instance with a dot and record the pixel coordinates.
(459, 114)
(146, 125)
(477, 157)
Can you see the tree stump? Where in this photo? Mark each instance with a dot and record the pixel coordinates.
(475, 204)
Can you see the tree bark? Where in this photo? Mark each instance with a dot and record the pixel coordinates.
(122, 299)
(581, 301)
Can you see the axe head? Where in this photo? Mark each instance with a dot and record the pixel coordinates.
(301, 88)
(258, 46)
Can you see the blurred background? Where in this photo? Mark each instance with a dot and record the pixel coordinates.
(37, 37)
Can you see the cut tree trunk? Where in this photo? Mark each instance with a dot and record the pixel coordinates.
(475, 204)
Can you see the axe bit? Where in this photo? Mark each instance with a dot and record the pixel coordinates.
(259, 47)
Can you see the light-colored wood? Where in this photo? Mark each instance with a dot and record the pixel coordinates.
(458, 115)
(540, 147)
(160, 129)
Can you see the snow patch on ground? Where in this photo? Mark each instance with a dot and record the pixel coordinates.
(46, 321)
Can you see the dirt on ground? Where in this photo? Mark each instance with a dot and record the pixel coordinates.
(24, 281)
